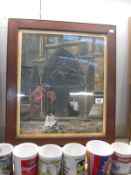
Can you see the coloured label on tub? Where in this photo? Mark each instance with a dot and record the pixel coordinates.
(6, 165)
(50, 167)
(120, 165)
(121, 159)
(76, 166)
(29, 167)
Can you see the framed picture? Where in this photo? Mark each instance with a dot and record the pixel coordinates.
(60, 82)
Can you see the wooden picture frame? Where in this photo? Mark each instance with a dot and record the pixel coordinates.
(60, 82)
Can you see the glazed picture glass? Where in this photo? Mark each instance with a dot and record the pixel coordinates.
(61, 83)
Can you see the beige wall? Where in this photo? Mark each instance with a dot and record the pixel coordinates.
(114, 12)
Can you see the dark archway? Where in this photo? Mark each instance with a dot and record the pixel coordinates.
(62, 74)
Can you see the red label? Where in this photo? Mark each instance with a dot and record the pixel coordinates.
(121, 159)
(29, 167)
